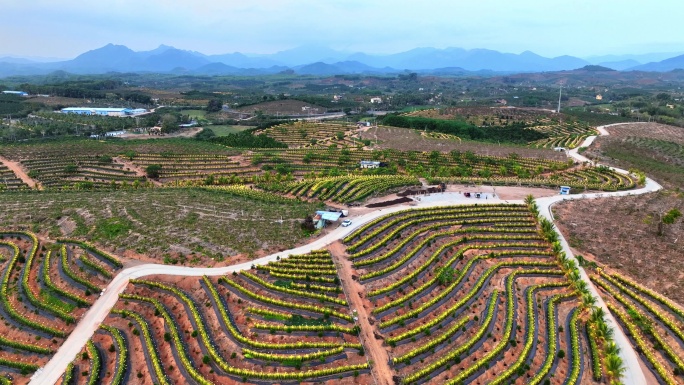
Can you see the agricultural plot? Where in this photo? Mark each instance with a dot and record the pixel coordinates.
(424, 164)
(198, 166)
(342, 189)
(309, 134)
(563, 130)
(581, 179)
(45, 288)
(79, 172)
(9, 180)
(285, 322)
(162, 224)
(87, 164)
(474, 294)
(653, 323)
(454, 167)
(405, 139)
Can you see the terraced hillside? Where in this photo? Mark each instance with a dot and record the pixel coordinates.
(79, 171)
(179, 167)
(287, 322)
(311, 134)
(9, 180)
(342, 189)
(475, 294)
(45, 289)
(563, 130)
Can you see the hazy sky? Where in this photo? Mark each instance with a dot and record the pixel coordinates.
(66, 28)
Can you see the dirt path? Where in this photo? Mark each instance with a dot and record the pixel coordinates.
(133, 167)
(19, 171)
(373, 347)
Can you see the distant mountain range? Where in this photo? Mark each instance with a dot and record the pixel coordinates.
(318, 60)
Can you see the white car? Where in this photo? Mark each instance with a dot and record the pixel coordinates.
(346, 223)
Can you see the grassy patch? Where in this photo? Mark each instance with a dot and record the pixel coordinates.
(53, 301)
(223, 130)
(298, 320)
(194, 113)
(112, 228)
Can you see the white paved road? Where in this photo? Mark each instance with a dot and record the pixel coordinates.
(92, 319)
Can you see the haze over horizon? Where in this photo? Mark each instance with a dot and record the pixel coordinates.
(583, 28)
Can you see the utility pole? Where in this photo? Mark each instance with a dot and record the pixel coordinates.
(560, 93)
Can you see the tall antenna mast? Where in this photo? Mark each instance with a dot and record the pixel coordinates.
(560, 93)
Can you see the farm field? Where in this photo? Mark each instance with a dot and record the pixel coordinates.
(276, 323)
(9, 180)
(407, 139)
(653, 322)
(474, 294)
(615, 233)
(563, 130)
(656, 149)
(194, 114)
(45, 289)
(223, 130)
(179, 226)
(309, 134)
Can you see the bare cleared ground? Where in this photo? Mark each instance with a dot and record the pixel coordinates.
(622, 233)
(408, 139)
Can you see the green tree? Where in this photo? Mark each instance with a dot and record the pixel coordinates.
(153, 170)
(214, 105)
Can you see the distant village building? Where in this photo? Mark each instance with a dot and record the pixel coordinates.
(376, 100)
(108, 134)
(599, 97)
(20, 93)
(103, 111)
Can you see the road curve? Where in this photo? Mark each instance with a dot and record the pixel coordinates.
(92, 319)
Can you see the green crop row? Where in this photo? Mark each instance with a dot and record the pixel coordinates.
(122, 354)
(149, 345)
(415, 312)
(71, 274)
(470, 370)
(234, 331)
(291, 305)
(27, 289)
(95, 363)
(87, 246)
(9, 308)
(456, 353)
(271, 286)
(51, 286)
(93, 265)
(641, 344)
(291, 357)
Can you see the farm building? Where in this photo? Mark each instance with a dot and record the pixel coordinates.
(376, 100)
(326, 216)
(103, 111)
(370, 164)
(20, 93)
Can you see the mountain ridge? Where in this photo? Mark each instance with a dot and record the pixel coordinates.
(321, 60)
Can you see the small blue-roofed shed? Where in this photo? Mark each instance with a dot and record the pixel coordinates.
(324, 216)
